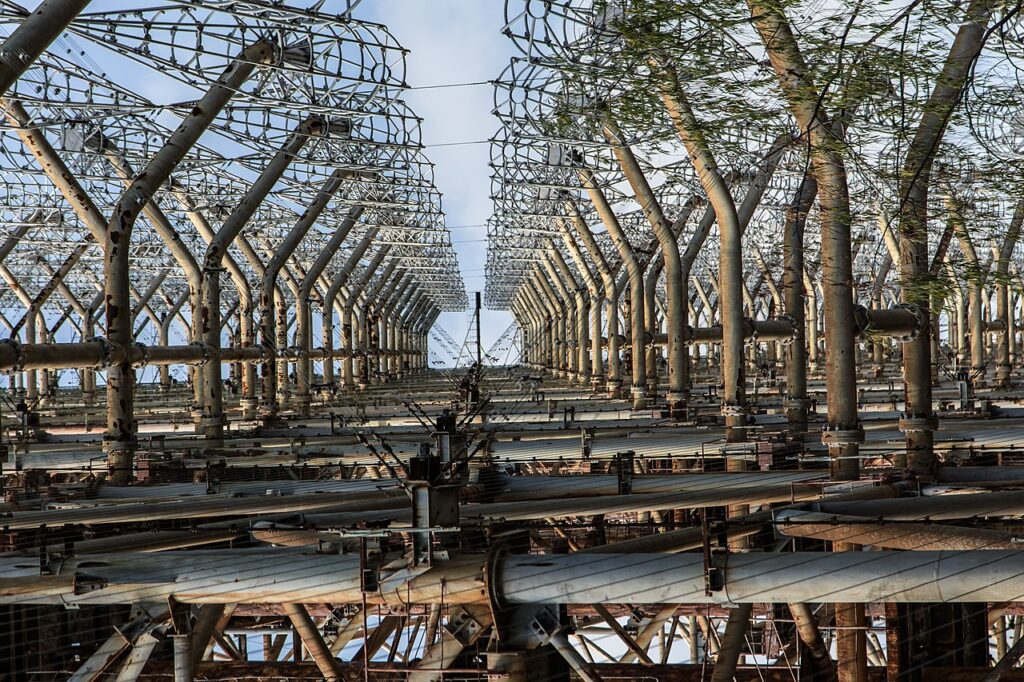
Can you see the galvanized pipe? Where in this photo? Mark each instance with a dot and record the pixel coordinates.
(330, 298)
(585, 363)
(269, 320)
(303, 316)
(370, 296)
(611, 296)
(287, 576)
(569, 312)
(213, 407)
(730, 268)
(246, 330)
(350, 320)
(636, 284)
(119, 442)
(675, 319)
(1004, 311)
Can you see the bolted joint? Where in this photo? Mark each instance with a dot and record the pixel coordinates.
(19, 354)
(835, 434)
(914, 423)
(109, 350)
(204, 351)
(140, 354)
(463, 627)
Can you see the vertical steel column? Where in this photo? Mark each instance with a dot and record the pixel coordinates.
(589, 362)
(330, 297)
(119, 441)
(548, 303)
(182, 650)
(578, 360)
(408, 313)
(560, 296)
(164, 337)
(1004, 311)
(675, 319)
(611, 295)
(391, 328)
(349, 314)
(213, 414)
(636, 285)
(730, 267)
(246, 331)
(268, 318)
(542, 321)
(368, 323)
(426, 326)
(170, 237)
(303, 314)
(415, 319)
(919, 421)
(407, 303)
(796, 401)
(974, 277)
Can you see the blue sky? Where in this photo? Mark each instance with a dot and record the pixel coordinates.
(455, 41)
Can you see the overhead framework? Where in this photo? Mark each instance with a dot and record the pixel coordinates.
(756, 416)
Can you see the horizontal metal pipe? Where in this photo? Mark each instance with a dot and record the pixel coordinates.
(101, 353)
(219, 506)
(781, 329)
(903, 322)
(589, 506)
(849, 577)
(935, 508)
(905, 535)
(287, 576)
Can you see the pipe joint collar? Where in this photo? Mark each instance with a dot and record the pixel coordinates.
(911, 423)
(733, 410)
(19, 353)
(918, 314)
(792, 321)
(204, 351)
(140, 354)
(108, 349)
(840, 435)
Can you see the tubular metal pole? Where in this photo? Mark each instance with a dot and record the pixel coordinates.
(119, 441)
(182, 646)
(730, 266)
(675, 322)
(558, 311)
(213, 415)
(636, 285)
(268, 317)
(331, 296)
(371, 304)
(611, 295)
(355, 288)
(246, 331)
(796, 401)
(303, 318)
(1004, 311)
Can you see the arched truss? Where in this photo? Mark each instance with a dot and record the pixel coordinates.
(83, 95)
(552, 100)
